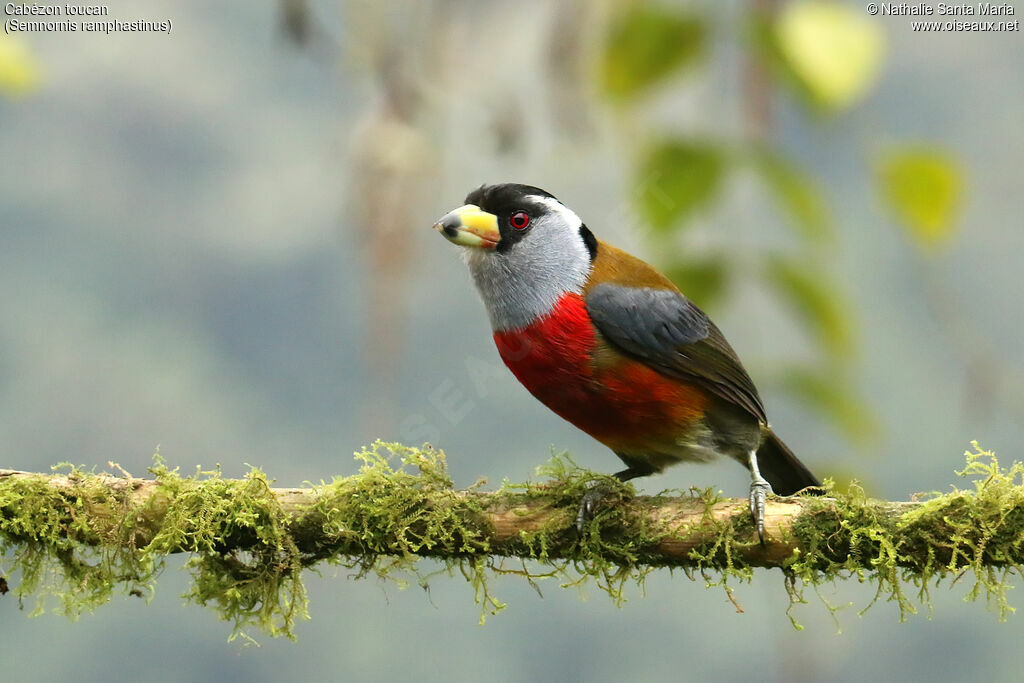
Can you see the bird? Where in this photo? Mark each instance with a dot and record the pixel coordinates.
(612, 346)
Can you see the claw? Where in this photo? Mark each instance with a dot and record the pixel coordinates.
(759, 490)
(593, 497)
(588, 506)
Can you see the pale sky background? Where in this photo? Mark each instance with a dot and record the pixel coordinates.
(182, 266)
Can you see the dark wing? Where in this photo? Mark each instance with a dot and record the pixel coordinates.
(668, 332)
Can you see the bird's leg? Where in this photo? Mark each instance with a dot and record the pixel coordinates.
(759, 490)
(593, 497)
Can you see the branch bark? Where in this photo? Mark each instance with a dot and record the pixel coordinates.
(667, 531)
(79, 536)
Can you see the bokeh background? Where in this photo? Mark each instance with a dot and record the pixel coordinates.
(216, 242)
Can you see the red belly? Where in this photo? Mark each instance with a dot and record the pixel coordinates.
(619, 401)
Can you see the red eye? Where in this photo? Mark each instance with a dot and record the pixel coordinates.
(519, 220)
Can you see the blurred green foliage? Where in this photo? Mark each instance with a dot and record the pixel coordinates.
(797, 194)
(826, 56)
(645, 45)
(816, 301)
(675, 178)
(923, 187)
(704, 279)
(19, 72)
(833, 52)
(830, 397)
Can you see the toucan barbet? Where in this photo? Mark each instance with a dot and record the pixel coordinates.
(611, 345)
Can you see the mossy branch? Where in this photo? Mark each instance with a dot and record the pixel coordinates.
(80, 535)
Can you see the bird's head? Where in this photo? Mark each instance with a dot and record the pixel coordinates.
(525, 250)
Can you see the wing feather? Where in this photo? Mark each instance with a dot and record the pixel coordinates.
(667, 331)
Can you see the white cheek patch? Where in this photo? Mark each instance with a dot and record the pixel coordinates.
(524, 283)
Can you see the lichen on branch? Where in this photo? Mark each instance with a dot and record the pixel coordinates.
(79, 536)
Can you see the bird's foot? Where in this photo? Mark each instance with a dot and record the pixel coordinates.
(599, 490)
(759, 490)
(592, 500)
(588, 506)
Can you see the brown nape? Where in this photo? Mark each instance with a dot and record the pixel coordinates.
(613, 265)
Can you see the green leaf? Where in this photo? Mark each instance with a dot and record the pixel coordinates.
(18, 70)
(676, 178)
(808, 291)
(924, 188)
(833, 50)
(703, 281)
(645, 45)
(798, 194)
(833, 398)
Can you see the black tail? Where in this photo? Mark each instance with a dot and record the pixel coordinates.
(779, 466)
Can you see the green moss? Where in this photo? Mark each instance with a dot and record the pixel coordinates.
(383, 519)
(48, 541)
(207, 516)
(614, 549)
(81, 541)
(906, 550)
